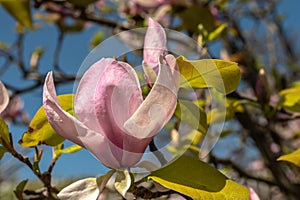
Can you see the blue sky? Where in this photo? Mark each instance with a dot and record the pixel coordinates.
(75, 49)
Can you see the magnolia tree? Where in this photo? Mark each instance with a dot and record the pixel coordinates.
(155, 102)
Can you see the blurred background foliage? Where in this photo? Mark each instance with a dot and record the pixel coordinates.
(263, 121)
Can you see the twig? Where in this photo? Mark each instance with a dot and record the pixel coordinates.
(58, 50)
(240, 170)
(157, 153)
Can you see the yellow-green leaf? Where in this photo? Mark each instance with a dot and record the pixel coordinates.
(69, 150)
(20, 188)
(191, 114)
(198, 180)
(4, 132)
(96, 39)
(292, 157)
(218, 115)
(217, 32)
(20, 10)
(223, 75)
(40, 131)
(2, 151)
(290, 98)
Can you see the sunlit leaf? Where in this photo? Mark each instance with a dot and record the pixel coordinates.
(191, 114)
(85, 189)
(123, 182)
(20, 10)
(198, 180)
(40, 131)
(290, 98)
(20, 188)
(232, 106)
(223, 75)
(292, 157)
(69, 150)
(2, 152)
(4, 131)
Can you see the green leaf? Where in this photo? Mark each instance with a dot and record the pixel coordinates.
(292, 157)
(36, 167)
(123, 182)
(40, 131)
(20, 10)
(20, 188)
(195, 15)
(85, 189)
(223, 75)
(97, 38)
(77, 26)
(69, 150)
(192, 114)
(2, 151)
(232, 106)
(4, 131)
(217, 32)
(290, 98)
(198, 180)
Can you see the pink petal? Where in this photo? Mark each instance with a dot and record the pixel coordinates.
(157, 109)
(4, 97)
(118, 95)
(85, 95)
(70, 128)
(155, 44)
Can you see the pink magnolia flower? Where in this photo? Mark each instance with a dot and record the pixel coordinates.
(113, 121)
(155, 45)
(14, 109)
(4, 97)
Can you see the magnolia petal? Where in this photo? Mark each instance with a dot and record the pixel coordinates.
(155, 44)
(4, 97)
(157, 109)
(61, 122)
(70, 128)
(85, 96)
(117, 98)
(84, 189)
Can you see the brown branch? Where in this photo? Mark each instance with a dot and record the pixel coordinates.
(45, 178)
(145, 193)
(261, 137)
(157, 153)
(241, 171)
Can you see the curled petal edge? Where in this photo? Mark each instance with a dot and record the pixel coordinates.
(70, 128)
(158, 107)
(155, 43)
(4, 97)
